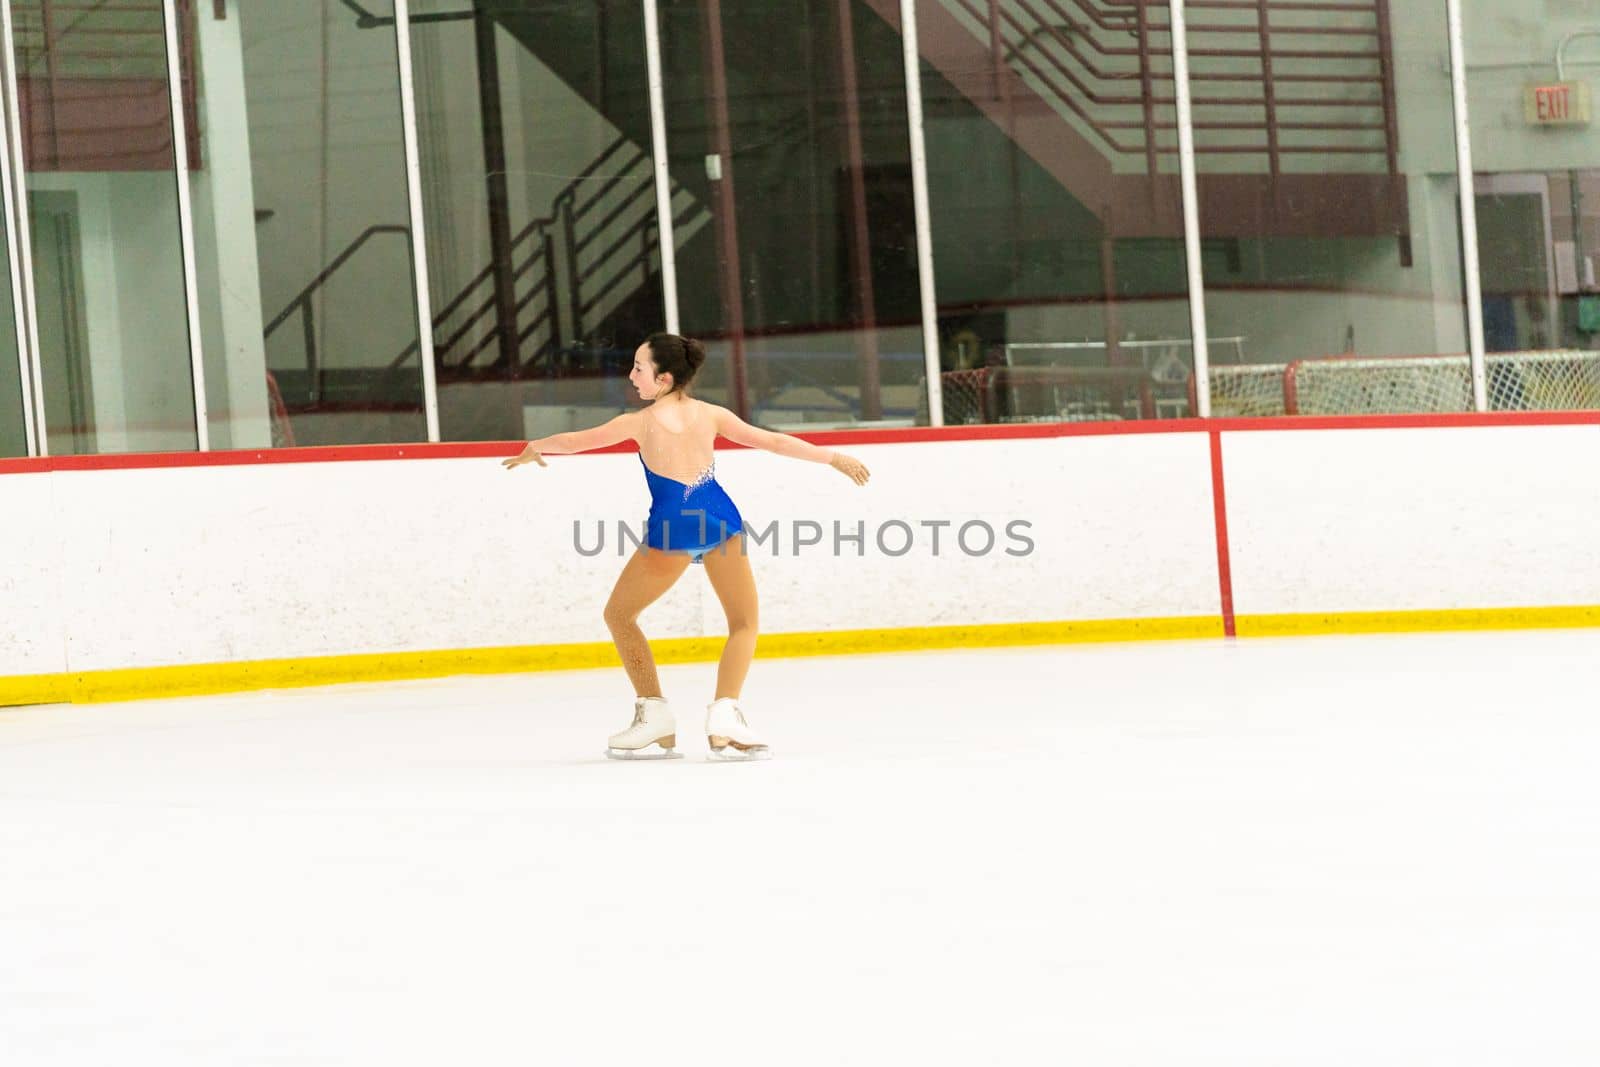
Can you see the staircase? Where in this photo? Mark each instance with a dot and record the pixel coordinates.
(1280, 88)
(602, 230)
(600, 237)
(595, 250)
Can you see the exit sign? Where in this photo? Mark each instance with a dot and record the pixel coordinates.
(1557, 104)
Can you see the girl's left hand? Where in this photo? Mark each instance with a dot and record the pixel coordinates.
(527, 455)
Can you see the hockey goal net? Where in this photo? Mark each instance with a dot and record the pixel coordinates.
(1565, 380)
(1246, 392)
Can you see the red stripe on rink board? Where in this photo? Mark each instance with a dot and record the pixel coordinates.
(244, 457)
(908, 435)
(1219, 505)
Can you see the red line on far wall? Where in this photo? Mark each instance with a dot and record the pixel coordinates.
(1219, 504)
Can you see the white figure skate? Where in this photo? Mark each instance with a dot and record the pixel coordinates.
(653, 724)
(730, 736)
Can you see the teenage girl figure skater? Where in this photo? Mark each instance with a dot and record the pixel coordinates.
(692, 520)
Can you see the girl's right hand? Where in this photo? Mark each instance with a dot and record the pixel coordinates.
(850, 467)
(527, 455)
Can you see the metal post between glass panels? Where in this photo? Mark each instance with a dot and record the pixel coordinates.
(658, 143)
(180, 142)
(19, 247)
(1469, 209)
(419, 244)
(919, 194)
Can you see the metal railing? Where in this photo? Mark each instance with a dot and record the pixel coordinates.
(1272, 78)
(303, 304)
(587, 238)
(587, 231)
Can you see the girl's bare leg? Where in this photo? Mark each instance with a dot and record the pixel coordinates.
(728, 567)
(648, 574)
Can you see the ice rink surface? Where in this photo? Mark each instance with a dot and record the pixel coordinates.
(1343, 851)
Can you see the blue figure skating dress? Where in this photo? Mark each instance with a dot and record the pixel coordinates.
(693, 517)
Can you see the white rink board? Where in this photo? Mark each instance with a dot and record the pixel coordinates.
(1117, 524)
(1413, 519)
(217, 564)
(188, 565)
(171, 566)
(30, 573)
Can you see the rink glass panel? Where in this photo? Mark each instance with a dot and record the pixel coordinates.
(544, 261)
(788, 132)
(1537, 184)
(103, 210)
(1057, 215)
(306, 283)
(1330, 220)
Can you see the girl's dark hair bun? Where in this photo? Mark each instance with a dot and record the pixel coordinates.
(678, 356)
(694, 353)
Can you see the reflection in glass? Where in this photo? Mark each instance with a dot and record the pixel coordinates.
(1539, 242)
(1538, 205)
(544, 258)
(1057, 219)
(302, 223)
(802, 270)
(103, 210)
(1332, 262)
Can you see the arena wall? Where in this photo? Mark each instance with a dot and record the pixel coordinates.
(144, 575)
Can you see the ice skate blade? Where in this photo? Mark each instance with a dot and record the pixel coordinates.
(730, 754)
(642, 754)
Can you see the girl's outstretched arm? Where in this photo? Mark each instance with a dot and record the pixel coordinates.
(740, 432)
(624, 427)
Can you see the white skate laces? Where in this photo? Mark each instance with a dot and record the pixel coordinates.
(653, 724)
(730, 735)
